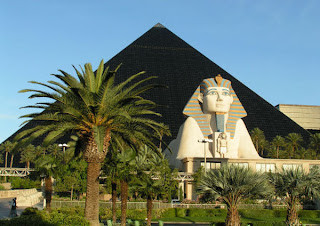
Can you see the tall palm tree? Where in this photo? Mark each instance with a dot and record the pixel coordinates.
(96, 110)
(48, 166)
(293, 184)
(28, 155)
(315, 142)
(233, 184)
(258, 139)
(149, 165)
(7, 148)
(293, 142)
(277, 143)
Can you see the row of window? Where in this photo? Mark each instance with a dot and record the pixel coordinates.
(260, 167)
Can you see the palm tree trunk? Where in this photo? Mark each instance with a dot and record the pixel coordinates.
(6, 160)
(233, 217)
(277, 152)
(48, 191)
(292, 212)
(149, 210)
(71, 195)
(124, 199)
(11, 162)
(92, 198)
(114, 201)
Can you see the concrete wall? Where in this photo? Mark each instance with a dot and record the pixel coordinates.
(307, 116)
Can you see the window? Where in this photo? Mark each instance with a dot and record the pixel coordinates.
(265, 167)
(291, 166)
(211, 165)
(314, 165)
(241, 164)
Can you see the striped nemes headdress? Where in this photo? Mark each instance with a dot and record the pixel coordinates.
(193, 107)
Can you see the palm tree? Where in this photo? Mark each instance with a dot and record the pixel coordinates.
(293, 142)
(7, 148)
(28, 155)
(293, 184)
(315, 142)
(277, 143)
(149, 165)
(233, 184)
(96, 110)
(48, 166)
(258, 139)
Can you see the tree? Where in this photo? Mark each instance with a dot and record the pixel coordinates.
(259, 140)
(277, 143)
(96, 110)
(7, 148)
(72, 178)
(48, 166)
(294, 184)
(150, 180)
(315, 142)
(28, 155)
(293, 142)
(232, 184)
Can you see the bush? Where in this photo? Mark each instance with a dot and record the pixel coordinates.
(268, 223)
(258, 213)
(24, 183)
(193, 212)
(169, 213)
(309, 213)
(180, 212)
(2, 187)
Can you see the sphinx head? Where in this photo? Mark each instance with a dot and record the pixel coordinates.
(215, 96)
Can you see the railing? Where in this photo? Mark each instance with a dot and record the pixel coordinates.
(15, 172)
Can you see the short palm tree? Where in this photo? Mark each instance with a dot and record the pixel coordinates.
(96, 110)
(294, 184)
(233, 184)
(293, 142)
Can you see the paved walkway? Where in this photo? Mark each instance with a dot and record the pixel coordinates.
(5, 206)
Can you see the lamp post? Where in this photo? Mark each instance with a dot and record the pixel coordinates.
(64, 146)
(204, 141)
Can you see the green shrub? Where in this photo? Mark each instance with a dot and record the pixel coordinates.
(280, 213)
(309, 213)
(2, 187)
(268, 223)
(180, 212)
(168, 213)
(137, 214)
(258, 213)
(24, 183)
(216, 213)
(193, 212)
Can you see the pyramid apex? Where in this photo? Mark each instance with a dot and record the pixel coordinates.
(159, 25)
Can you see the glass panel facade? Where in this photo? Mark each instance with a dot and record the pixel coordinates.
(291, 166)
(265, 167)
(211, 165)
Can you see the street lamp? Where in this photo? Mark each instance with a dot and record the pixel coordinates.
(64, 146)
(204, 141)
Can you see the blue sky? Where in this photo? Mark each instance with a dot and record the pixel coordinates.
(272, 46)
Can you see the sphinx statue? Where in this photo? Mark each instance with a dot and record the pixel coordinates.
(213, 128)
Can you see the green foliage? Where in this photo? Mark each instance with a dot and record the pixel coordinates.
(2, 187)
(168, 213)
(24, 183)
(180, 212)
(34, 217)
(268, 223)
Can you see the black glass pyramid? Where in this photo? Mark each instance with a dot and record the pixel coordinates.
(181, 68)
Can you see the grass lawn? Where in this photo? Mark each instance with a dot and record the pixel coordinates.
(244, 220)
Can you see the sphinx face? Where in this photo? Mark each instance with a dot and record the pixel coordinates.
(216, 100)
